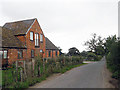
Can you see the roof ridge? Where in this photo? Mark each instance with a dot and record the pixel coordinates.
(20, 21)
(22, 26)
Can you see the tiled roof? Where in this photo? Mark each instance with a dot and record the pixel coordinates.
(50, 45)
(10, 40)
(9, 30)
(19, 27)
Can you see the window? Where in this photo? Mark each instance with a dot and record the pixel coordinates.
(41, 38)
(32, 53)
(31, 35)
(41, 51)
(20, 54)
(56, 53)
(36, 39)
(5, 54)
(49, 53)
(52, 53)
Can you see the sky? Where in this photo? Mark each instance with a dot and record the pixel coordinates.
(67, 23)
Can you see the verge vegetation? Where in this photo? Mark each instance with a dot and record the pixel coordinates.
(113, 56)
(19, 77)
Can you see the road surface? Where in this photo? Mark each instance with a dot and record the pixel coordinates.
(86, 76)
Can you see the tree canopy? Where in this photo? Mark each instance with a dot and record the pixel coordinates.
(96, 44)
(73, 52)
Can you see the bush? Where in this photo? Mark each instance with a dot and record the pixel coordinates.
(116, 75)
(92, 56)
(113, 59)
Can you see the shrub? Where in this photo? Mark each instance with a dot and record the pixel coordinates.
(113, 59)
(116, 75)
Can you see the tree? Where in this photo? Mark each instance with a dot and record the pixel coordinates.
(60, 51)
(92, 43)
(113, 59)
(84, 53)
(108, 43)
(73, 52)
(96, 44)
(112, 47)
(92, 56)
(100, 50)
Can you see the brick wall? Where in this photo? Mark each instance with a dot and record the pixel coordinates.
(13, 53)
(53, 53)
(31, 44)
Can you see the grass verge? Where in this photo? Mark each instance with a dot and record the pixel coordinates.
(67, 68)
(33, 81)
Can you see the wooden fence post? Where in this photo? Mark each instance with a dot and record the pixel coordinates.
(16, 71)
(43, 65)
(38, 70)
(21, 75)
(25, 69)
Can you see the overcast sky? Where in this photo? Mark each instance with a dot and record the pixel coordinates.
(67, 23)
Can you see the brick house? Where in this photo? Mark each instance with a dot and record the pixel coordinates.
(22, 40)
(51, 50)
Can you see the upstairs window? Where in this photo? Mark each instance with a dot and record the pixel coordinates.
(31, 35)
(20, 54)
(36, 39)
(41, 38)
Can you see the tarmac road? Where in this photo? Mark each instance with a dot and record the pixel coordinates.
(86, 76)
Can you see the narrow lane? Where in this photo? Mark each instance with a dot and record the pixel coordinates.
(86, 76)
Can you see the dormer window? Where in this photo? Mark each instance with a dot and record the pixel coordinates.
(41, 38)
(31, 36)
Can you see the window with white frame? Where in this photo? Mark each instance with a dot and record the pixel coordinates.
(5, 54)
(41, 38)
(31, 35)
(36, 39)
